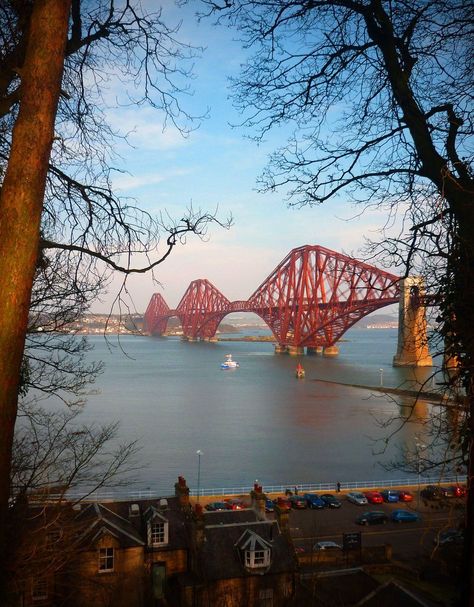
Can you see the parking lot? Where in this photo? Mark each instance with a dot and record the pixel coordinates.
(408, 540)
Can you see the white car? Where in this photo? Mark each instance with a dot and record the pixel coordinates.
(327, 546)
(357, 498)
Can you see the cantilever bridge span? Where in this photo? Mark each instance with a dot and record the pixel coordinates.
(309, 300)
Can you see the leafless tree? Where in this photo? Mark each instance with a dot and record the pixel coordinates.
(57, 59)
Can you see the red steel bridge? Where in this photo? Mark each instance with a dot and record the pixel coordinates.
(309, 300)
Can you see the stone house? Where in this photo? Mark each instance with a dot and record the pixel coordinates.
(161, 552)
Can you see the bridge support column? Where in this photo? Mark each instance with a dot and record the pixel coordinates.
(412, 350)
(331, 351)
(280, 349)
(310, 351)
(295, 350)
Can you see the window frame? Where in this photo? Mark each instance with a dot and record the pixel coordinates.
(161, 535)
(39, 589)
(265, 597)
(255, 559)
(106, 554)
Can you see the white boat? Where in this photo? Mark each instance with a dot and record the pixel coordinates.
(229, 363)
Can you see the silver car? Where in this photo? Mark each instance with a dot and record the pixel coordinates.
(327, 546)
(357, 498)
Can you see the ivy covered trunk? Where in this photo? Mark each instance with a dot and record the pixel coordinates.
(21, 203)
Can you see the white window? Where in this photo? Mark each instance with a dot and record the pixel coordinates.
(157, 533)
(39, 589)
(257, 558)
(106, 559)
(265, 598)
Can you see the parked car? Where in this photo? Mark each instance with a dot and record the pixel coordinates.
(373, 497)
(431, 492)
(390, 495)
(449, 536)
(235, 504)
(327, 546)
(269, 505)
(405, 516)
(314, 500)
(330, 501)
(373, 517)
(298, 502)
(405, 496)
(356, 497)
(459, 490)
(447, 491)
(452, 491)
(213, 506)
(283, 503)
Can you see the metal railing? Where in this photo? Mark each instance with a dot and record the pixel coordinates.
(332, 487)
(142, 494)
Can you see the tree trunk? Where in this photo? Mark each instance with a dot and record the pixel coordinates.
(21, 203)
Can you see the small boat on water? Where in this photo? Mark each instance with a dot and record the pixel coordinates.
(229, 363)
(299, 371)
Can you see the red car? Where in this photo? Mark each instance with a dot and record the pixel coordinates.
(374, 497)
(458, 490)
(235, 504)
(283, 503)
(405, 496)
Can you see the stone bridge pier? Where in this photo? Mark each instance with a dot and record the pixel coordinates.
(412, 349)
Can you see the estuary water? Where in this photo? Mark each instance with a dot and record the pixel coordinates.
(258, 421)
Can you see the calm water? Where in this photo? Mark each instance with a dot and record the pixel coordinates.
(256, 422)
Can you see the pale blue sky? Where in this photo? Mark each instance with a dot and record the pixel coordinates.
(217, 167)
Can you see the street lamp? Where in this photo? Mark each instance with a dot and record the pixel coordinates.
(199, 453)
(381, 377)
(419, 448)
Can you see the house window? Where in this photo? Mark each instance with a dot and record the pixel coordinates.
(106, 559)
(39, 590)
(257, 558)
(265, 598)
(157, 533)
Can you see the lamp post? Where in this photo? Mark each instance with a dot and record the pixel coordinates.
(381, 377)
(419, 448)
(199, 453)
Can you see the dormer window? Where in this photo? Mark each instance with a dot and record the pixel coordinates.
(157, 528)
(255, 551)
(157, 533)
(257, 558)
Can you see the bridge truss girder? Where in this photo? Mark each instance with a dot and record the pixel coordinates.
(311, 298)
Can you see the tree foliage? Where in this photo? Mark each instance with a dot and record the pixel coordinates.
(61, 224)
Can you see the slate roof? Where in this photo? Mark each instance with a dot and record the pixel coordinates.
(393, 594)
(97, 518)
(131, 530)
(344, 587)
(220, 558)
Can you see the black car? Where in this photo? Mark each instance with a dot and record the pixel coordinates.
(330, 501)
(373, 517)
(431, 492)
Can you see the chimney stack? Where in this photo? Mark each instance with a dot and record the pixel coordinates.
(182, 492)
(258, 498)
(283, 519)
(198, 526)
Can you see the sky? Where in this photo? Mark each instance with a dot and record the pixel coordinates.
(216, 167)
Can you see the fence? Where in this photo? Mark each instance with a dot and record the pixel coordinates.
(122, 494)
